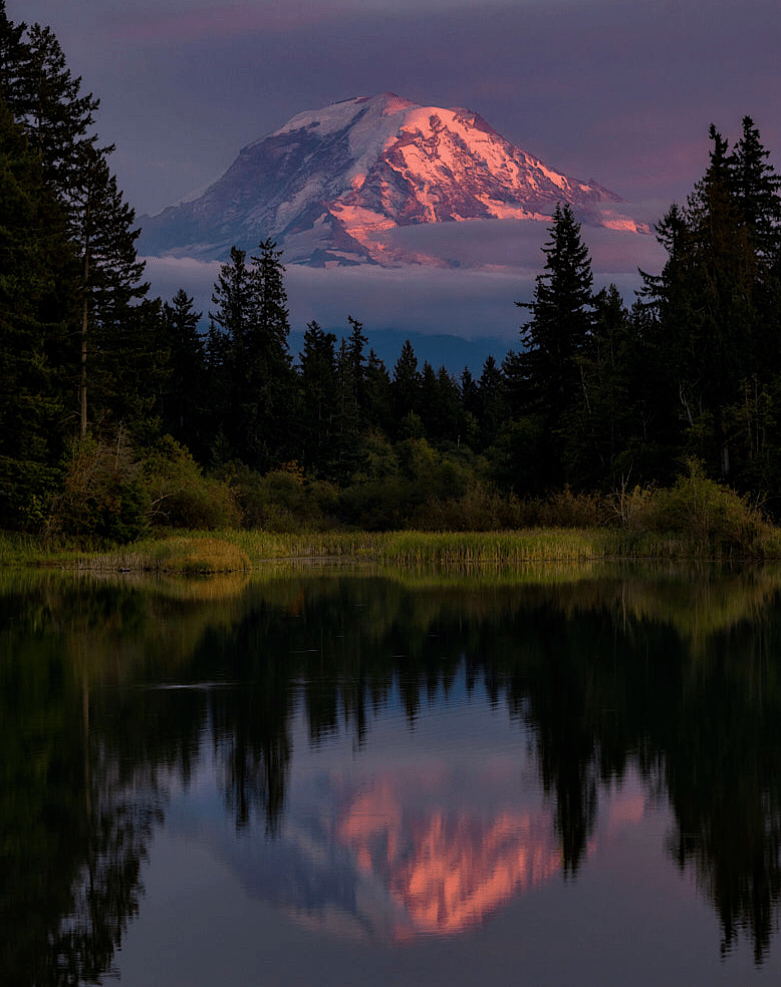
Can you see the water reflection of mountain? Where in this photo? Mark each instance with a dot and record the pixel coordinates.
(678, 677)
(446, 871)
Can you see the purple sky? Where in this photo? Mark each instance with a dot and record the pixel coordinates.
(622, 91)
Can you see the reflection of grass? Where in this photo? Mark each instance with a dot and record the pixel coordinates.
(697, 599)
(643, 576)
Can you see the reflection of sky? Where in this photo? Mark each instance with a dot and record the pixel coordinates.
(427, 830)
(436, 838)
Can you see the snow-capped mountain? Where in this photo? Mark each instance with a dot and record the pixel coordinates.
(333, 184)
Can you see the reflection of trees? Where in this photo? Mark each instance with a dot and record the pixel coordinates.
(79, 782)
(596, 672)
(250, 721)
(722, 771)
(107, 889)
(595, 669)
(73, 844)
(251, 736)
(600, 688)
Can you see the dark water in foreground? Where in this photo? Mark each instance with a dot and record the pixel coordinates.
(338, 778)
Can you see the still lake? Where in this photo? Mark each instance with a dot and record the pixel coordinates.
(335, 776)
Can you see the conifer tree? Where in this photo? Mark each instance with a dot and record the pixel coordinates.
(271, 410)
(36, 300)
(57, 118)
(13, 56)
(544, 379)
(319, 401)
(405, 385)
(712, 326)
(561, 318)
(378, 405)
(182, 399)
(56, 115)
(253, 381)
(356, 344)
(110, 271)
(493, 408)
(757, 191)
(598, 427)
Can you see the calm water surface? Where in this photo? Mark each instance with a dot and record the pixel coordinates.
(557, 777)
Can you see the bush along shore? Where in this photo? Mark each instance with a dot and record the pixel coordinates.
(695, 518)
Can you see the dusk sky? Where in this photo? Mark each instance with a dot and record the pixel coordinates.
(622, 91)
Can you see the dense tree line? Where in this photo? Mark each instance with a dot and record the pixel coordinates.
(115, 407)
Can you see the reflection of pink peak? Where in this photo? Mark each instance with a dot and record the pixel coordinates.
(627, 808)
(448, 871)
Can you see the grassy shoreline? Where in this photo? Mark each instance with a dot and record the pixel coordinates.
(240, 550)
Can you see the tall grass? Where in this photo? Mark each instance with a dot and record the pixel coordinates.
(506, 548)
(239, 550)
(186, 555)
(18, 549)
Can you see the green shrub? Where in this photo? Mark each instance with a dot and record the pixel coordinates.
(104, 499)
(180, 496)
(282, 500)
(711, 514)
(712, 517)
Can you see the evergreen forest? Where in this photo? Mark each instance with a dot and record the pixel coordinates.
(118, 415)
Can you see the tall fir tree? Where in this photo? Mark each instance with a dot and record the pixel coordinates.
(544, 379)
(561, 320)
(253, 380)
(57, 118)
(110, 283)
(405, 386)
(492, 402)
(37, 299)
(182, 399)
(319, 402)
(712, 327)
(378, 406)
(272, 407)
(599, 425)
(757, 191)
(356, 345)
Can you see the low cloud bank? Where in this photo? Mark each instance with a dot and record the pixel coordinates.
(467, 302)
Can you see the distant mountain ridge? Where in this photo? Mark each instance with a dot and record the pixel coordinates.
(331, 185)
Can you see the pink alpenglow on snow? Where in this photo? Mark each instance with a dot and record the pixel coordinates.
(332, 185)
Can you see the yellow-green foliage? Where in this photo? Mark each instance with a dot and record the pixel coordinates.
(713, 519)
(180, 496)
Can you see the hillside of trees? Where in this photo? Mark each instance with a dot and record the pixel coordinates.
(118, 415)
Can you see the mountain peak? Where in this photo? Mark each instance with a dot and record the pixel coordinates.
(332, 184)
